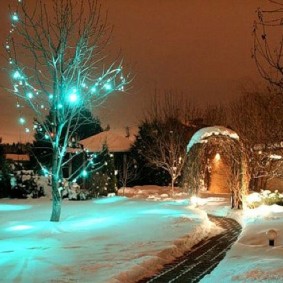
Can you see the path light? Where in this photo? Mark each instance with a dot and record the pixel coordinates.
(271, 235)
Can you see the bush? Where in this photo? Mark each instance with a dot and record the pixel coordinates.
(265, 197)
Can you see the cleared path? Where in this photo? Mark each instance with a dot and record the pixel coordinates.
(202, 258)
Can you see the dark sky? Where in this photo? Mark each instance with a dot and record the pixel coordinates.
(199, 48)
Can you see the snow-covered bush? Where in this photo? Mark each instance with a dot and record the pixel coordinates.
(25, 184)
(264, 197)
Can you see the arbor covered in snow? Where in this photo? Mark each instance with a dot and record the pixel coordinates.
(55, 54)
(210, 147)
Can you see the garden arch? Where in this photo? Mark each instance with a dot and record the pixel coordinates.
(216, 162)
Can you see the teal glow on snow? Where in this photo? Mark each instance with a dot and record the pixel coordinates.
(110, 200)
(19, 228)
(161, 211)
(13, 207)
(122, 236)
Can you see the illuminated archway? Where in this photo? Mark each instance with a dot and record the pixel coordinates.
(216, 152)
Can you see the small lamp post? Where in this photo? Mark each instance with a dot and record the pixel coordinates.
(271, 235)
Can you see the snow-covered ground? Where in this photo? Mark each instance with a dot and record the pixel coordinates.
(251, 259)
(121, 239)
(114, 239)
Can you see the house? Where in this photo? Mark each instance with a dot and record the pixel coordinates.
(19, 159)
(118, 144)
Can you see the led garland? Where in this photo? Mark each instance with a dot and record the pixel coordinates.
(23, 90)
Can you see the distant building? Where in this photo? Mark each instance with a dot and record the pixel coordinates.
(115, 142)
(17, 158)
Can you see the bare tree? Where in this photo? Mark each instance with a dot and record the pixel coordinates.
(128, 172)
(55, 51)
(257, 118)
(215, 115)
(165, 146)
(268, 43)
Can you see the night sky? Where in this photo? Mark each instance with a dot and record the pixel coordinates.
(199, 48)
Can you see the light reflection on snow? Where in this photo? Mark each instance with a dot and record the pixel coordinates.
(13, 207)
(178, 202)
(161, 211)
(89, 223)
(19, 228)
(109, 200)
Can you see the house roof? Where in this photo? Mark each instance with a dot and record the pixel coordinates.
(115, 142)
(17, 157)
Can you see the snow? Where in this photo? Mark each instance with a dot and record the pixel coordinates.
(201, 135)
(114, 141)
(113, 239)
(251, 259)
(120, 239)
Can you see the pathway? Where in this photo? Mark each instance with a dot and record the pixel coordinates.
(202, 258)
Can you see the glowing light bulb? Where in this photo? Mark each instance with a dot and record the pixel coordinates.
(15, 17)
(22, 120)
(17, 75)
(73, 97)
(93, 89)
(107, 86)
(29, 95)
(84, 173)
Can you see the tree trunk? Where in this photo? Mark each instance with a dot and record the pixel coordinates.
(172, 186)
(56, 205)
(56, 195)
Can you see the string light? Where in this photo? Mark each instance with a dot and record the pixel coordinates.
(84, 173)
(93, 89)
(109, 81)
(29, 95)
(22, 120)
(15, 17)
(108, 86)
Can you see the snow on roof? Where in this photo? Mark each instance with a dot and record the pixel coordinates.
(114, 141)
(201, 135)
